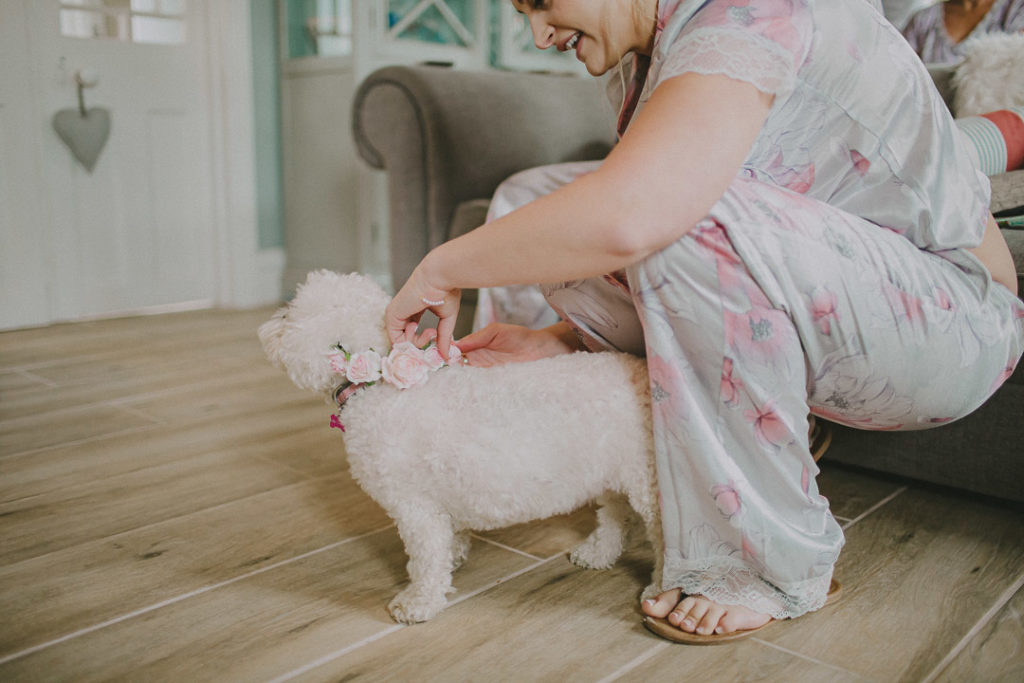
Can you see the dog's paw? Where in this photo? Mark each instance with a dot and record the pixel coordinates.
(594, 554)
(412, 606)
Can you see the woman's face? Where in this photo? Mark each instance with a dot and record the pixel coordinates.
(600, 32)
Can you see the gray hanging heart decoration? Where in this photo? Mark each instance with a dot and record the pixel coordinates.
(84, 132)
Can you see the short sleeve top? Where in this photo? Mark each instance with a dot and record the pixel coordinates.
(856, 121)
(926, 30)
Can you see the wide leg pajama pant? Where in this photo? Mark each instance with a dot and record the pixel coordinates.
(773, 307)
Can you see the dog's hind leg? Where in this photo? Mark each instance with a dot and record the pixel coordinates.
(429, 540)
(605, 543)
(460, 549)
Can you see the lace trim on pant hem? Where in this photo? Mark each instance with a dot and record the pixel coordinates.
(732, 583)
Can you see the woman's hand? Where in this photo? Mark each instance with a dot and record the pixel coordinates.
(498, 344)
(402, 316)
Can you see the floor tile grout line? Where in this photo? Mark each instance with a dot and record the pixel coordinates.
(874, 507)
(176, 518)
(634, 663)
(306, 476)
(184, 596)
(38, 379)
(1006, 596)
(138, 397)
(100, 356)
(132, 410)
(270, 461)
(25, 367)
(507, 547)
(498, 582)
(808, 658)
(96, 437)
(80, 442)
(331, 656)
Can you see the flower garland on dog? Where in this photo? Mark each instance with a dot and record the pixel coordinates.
(406, 366)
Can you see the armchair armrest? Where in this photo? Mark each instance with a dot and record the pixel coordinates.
(446, 136)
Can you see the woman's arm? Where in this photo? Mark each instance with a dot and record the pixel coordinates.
(677, 158)
(673, 164)
(996, 256)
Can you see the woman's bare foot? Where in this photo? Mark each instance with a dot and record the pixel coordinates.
(697, 614)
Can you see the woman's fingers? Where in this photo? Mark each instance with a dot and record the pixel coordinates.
(425, 337)
(445, 329)
(477, 340)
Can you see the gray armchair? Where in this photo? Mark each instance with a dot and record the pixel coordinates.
(447, 138)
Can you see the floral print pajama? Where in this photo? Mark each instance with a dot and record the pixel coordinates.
(830, 279)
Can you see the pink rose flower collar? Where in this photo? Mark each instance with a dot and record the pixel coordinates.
(406, 366)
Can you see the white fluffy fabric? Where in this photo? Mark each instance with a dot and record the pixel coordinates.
(991, 76)
(477, 448)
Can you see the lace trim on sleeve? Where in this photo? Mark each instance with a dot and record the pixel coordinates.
(742, 56)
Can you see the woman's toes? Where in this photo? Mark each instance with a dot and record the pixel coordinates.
(688, 613)
(661, 605)
(711, 619)
(739, 618)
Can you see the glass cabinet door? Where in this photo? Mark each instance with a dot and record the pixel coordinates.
(443, 22)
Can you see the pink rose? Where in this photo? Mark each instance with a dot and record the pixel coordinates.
(454, 354)
(405, 366)
(432, 355)
(434, 359)
(363, 367)
(338, 363)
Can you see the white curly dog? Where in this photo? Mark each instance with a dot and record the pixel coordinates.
(475, 448)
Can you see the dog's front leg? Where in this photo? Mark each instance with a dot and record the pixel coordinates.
(428, 538)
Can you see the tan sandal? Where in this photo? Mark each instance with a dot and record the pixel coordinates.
(661, 626)
(820, 437)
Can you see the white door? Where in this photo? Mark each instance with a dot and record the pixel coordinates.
(137, 232)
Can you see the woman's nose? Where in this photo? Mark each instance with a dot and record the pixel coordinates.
(543, 32)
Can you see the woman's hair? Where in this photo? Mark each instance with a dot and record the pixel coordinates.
(641, 21)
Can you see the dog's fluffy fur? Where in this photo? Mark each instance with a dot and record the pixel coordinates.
(991, 76)
(477, 448)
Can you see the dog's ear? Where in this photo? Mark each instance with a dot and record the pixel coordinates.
(270, 336)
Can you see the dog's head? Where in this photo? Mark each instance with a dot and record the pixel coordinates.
(328, 310)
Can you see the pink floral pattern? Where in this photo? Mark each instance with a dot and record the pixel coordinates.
(727, 499)
(731, 386)
(823, 309)
(769, 426)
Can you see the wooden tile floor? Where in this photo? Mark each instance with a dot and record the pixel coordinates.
(173, 509)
